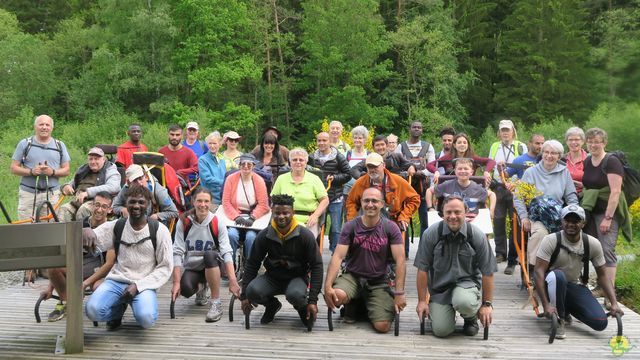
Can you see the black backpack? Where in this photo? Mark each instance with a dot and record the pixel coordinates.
(630, 179)
(30, 144)
(119, 228)
(585, 257)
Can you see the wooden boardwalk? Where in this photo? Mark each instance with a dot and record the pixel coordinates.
(515, 333)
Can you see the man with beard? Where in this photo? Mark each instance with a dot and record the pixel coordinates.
(182, 159)
(401, 201)
(144, 261)
(367, 243)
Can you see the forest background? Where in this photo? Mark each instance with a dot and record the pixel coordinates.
(98, 66)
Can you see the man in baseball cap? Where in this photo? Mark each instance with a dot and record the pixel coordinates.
(97, 175)
(191, 139)
(562, 273)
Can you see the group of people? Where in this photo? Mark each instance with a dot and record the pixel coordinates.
(377, 193)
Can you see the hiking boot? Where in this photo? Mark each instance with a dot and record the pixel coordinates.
(270, 310)
(202, 298)
(560, 334)
(509, 269)
(215, 312)
(568, 320)
(500, 258)
(58, 313)
(471, 327)
(302, 312)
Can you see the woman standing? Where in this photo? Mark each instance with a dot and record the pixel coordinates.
(212, 167)
(574, 137)
(231, 140)
(311, 199)
(603, 198)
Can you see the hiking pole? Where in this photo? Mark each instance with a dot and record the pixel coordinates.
(322, 229)
(35, 199)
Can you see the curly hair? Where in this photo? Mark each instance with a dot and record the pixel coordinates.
(136, 189)
(282, 199)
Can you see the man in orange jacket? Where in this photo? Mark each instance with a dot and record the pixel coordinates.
(401, 201)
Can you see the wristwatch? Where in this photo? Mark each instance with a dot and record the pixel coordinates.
(487, 303)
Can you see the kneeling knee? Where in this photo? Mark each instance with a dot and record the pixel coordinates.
(382, 326)
(600, 325)
(442, 332)
(146, 319)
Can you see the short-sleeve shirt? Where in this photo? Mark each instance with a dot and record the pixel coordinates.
(473, 194)
(452, 260)
(39, 153)
(307, 193)
(525, 160)
(369, 247)
(595, 178)
(570, 262)
(199, 148)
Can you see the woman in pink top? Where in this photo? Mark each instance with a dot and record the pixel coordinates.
(244, 199)
(574, 137)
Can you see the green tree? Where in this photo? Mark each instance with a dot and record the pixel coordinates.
(427, 45)
(343, 41)
(545, 60)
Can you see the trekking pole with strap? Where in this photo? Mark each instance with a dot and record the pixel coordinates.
(35, 200)
(322, 229)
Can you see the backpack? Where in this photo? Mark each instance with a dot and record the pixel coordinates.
(213, 229)
(585, 257)
(119, 228)
(518, 149)
(630, 179)
(420, 157)
(30, 144)
(548, 211)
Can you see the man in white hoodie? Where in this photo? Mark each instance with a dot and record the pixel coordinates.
(552, 179)
(144, 260)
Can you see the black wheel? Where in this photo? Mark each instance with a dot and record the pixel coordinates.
(247, 324)
(619, 321)
(485, 336)
(172, 311)
(554, 328)
(423, 322)
(36, 309)
(396, 329)
(233, 300)
(330, 319)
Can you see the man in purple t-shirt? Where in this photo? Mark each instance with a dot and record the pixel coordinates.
(369, 241)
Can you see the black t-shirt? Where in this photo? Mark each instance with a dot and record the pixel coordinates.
(595, 178)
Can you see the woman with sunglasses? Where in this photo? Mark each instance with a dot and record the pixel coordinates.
(231, 139)
(244, 199)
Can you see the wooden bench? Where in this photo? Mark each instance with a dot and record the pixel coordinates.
(50, 245)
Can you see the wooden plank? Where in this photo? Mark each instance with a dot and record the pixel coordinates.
(32, 235)
(74, 338)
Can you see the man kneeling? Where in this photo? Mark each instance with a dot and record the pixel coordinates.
(559, 265)
(368, 242)
(455, 264)
(144, 260)
(290, 253)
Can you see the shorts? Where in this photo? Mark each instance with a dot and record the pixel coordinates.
(378, 297)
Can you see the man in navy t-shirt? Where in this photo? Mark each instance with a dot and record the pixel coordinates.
(527, 159)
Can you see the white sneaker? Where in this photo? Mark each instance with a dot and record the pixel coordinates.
(560, 334)
(202, 298)
(215, 312)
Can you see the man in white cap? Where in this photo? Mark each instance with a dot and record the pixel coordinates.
(182, 159)
(97, 175)
(161, 207)
(504, 151)
(401, 200)
(191, 139)
(562, 270)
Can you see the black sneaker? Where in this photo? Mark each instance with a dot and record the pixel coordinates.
(471, 327)
(509, 269)
(114, 324)
(270, 310)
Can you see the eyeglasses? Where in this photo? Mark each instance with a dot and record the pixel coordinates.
(233, 140)
(591, 142)
(298, 160)
(102, 206)
(245, 164)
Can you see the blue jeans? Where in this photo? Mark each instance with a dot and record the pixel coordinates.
(335, 213)
(574, 299)
(234, 239)
(105, 304)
